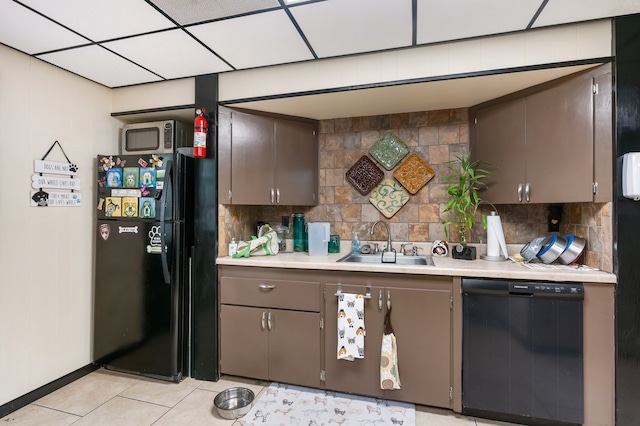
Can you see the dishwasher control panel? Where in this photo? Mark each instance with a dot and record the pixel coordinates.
(545, 288)
(505, 287)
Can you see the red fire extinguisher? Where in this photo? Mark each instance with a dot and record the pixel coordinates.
(200, 134)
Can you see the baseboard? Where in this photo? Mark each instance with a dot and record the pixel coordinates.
(36, 394)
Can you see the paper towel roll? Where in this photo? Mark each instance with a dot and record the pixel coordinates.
(496, 245)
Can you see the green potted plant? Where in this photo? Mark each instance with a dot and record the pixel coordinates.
(464, 182)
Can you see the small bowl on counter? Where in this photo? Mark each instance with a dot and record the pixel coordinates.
(233, 403)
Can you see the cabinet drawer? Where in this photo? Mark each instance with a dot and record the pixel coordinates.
(268, 293)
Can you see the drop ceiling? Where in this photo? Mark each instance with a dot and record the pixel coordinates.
(119, 43)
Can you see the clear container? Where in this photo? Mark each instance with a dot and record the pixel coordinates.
(318, 238)
(281, 231)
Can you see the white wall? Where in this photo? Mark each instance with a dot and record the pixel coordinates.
(46, 252)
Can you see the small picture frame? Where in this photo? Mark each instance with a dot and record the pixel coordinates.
(147, 177)
(147, 208)
(130, 177)
(114, 178)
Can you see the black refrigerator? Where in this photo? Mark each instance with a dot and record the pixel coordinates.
(155, 306)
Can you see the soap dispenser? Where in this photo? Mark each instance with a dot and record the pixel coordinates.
(355, 244)
(233, 247)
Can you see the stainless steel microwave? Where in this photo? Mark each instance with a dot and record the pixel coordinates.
(155, 137)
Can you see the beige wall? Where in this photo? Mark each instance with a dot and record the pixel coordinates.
(437, 136)
(46, 253)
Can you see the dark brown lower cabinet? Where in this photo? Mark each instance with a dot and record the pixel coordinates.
(421, 320)
(270, 344)
(270, 325)
(270, 329)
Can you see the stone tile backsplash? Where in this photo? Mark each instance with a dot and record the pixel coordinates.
(437, 136)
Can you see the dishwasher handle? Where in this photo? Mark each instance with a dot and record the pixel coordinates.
(521, 289)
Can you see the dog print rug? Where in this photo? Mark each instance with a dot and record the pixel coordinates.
(281, 404)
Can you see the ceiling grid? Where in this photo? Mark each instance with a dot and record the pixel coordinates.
(126, 42)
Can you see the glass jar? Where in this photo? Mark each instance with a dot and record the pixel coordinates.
(334, 244)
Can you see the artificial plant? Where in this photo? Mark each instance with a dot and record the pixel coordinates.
(465, 179)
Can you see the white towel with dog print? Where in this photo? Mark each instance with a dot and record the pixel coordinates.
(351, 330)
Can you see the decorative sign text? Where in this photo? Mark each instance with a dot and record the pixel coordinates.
(56, 182)
(56, 199)
(126, 193)
(55, 168)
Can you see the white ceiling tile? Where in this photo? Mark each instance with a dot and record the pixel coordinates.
(103, 20)
(442, 20)
(254, 40)
(341, 27)
(17, 24)
(563, 11)
(204, 10)
(187, 57)
(100, 65)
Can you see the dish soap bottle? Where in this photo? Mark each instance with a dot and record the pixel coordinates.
(233, 247)
(355, 244)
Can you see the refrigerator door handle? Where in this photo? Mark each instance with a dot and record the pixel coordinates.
(168, 174)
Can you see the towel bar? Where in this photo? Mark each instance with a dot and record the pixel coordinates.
(366, 296)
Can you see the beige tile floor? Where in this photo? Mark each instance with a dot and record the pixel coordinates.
(108, 398)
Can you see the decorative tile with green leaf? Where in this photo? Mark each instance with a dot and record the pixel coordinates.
(389, 150)
(388, 197)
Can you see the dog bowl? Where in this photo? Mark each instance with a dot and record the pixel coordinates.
(552, 248)
(531, 249)
(233, 403)
(573, 251)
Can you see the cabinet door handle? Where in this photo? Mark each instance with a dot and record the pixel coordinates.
(388, 299)
(272, 195)
(519, 192)
(527, 192)
(277, 195)
(380, 300)
(266, 286)
(264, 319)
(269, 321)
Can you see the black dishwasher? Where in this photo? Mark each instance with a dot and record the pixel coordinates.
(522, 352)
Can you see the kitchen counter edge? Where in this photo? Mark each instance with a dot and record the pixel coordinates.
(443, 266)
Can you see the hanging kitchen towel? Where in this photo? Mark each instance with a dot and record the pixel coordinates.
(389, 375)
(351, 330)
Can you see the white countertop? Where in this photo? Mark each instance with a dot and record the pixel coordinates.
(443, 266)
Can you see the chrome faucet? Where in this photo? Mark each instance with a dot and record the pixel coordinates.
(388, 249)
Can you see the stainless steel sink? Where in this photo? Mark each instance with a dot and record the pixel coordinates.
(388, 259)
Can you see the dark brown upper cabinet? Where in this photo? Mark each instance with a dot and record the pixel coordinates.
(265, 159)
(548, 144)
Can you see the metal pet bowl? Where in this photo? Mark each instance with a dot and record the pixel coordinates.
(233, 403)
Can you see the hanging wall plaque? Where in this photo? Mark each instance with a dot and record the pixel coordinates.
(55, 175)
